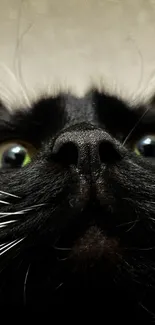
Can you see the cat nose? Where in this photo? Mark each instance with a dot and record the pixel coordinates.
(86, 149)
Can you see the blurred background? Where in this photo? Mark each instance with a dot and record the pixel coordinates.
(47, 45)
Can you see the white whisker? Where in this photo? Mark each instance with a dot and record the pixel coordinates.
(36, 206)
(6, 214)
(59, 286)
(152, 219)
(9, 246)
(4, 202)
(9, 194)
(62, 259)
(126, 223)
(25, 283)
(4, 224)
(135, 126)
(62, 248)
(140, 249)
(134, 224)
(3, 246)
(146, 309)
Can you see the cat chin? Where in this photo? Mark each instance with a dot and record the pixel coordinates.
(93, 246)
(86, 238)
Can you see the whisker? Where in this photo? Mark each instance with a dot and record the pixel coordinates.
(2, 245)
(127, 223)
(62, 259)
(146, 309)
(5, 248)
(135, 126)
(134, 224)
(59, 286)
(140, 249)
(4, 202)
(4, 224)
(18, 50)
(9, 194)
(37, 205)
(25, 284)
(62, 248)
(152, 219)
(6, 214)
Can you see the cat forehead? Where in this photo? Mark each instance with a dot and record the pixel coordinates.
(86, 108)
(47, 116)
(80, 108)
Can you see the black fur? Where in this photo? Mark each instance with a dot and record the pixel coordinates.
(92, 241)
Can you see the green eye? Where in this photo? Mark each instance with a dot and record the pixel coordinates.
(15, 155)
(146, 147)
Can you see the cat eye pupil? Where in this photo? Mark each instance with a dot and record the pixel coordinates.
(146, 147)
(13, 157)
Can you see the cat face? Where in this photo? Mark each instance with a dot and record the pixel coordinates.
(77, 205)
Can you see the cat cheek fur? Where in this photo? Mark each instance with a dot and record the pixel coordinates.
(63, 235)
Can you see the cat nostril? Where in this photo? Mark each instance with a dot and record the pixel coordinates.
(108, 153)
(67, 154)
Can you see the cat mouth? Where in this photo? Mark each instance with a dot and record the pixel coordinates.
(87, 240)
(89, 249)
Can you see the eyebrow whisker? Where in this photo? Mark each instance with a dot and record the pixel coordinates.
(135, 126)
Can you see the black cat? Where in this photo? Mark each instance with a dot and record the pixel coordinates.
(77, 206)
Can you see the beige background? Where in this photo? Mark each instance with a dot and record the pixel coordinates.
(51, 44)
